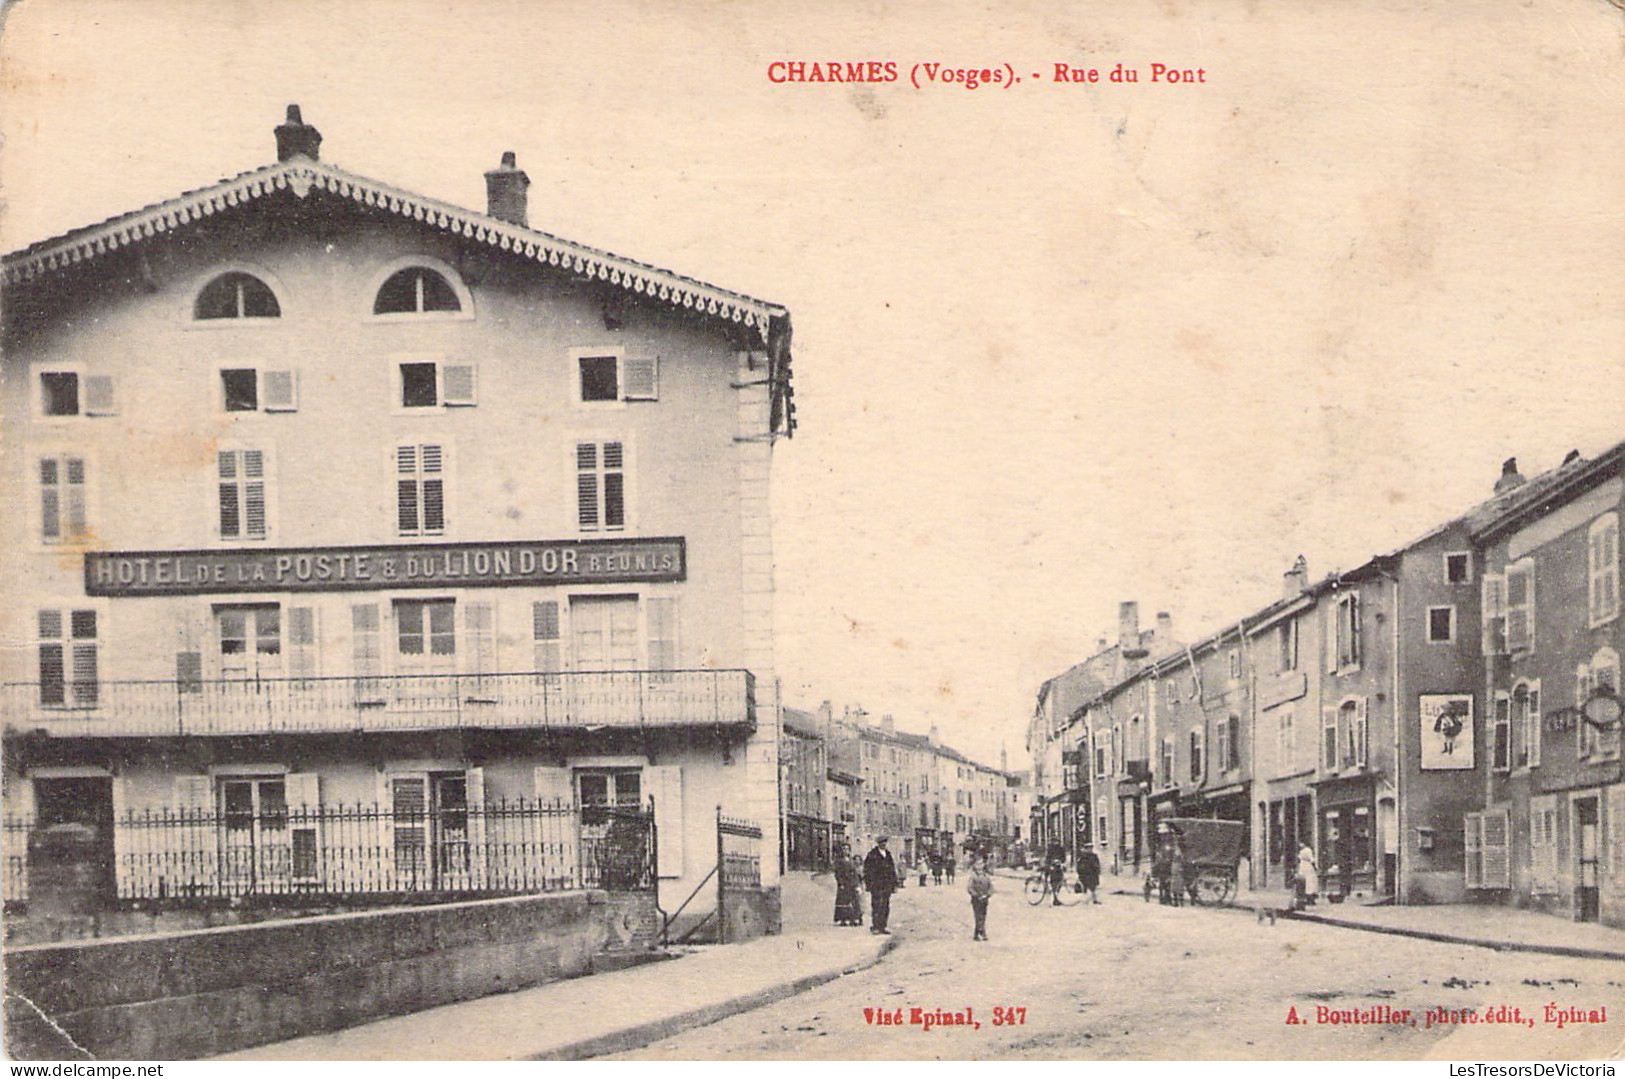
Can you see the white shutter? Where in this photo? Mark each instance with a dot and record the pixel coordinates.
(665, 783)
(303, 645)
(1362, 736)
(385, 859)
(1473, 845)
(1495, 850)
(100, 399)
(545, 634)
(280, 391)
(1328, 740)
(557, 837)
(195, 856)
(1492, 612)
(474, 779)
(303, 793)
(457, 384)
(479, 627)
(1331, 635)
(641, 378)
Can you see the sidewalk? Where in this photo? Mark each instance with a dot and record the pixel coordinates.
(606, 1013)
(1483, 925)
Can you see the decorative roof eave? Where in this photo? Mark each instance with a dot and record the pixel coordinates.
(301, 174)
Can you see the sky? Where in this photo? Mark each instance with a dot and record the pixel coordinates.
(1056, 345)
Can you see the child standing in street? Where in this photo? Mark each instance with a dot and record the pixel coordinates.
(980, 888)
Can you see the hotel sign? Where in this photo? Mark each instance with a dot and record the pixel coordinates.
(433, 565)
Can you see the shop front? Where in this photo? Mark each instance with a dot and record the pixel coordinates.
(1348, 838)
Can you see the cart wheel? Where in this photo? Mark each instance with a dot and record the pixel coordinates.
(1213, 887)
(1035, 889)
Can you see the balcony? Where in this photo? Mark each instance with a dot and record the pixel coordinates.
(575, 700)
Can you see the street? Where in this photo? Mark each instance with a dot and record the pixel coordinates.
(1128, 980)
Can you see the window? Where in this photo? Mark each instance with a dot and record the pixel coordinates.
(1117, 749)
(1543, 844)
(1348, 632)
(1285, 738)
(1351, 734)
(62, 499)
(303, 650)
(1501, 751)
(604, 377)
(250, 389)
(1100, 761)
(434, 384)
(1328, 740)
(250, 642)
(1602, 545)
(1493, 612)
(59, 393)
(1196, 756)
(1526, 723)
(366, 650)
(1235, 665)
(1520, 607)
(1171, 688)
(1287, 646)
(1441, 625)
(1602, 673)
(236, 295)
(415, 290)
(68, 658)
(1458, 567)
(480, 628)
(425, 630)
(1221, 745)
(1165, 762)
(1230, 756)
(619, 787)
(420, 490)
(601, 486)
(242, 494)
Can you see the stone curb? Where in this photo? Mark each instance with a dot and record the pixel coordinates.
(1564, 950)
(642, 1034)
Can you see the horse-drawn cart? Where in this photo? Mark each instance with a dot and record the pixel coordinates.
(1211, 850)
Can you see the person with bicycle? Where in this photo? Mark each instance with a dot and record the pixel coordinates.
(1055, 872)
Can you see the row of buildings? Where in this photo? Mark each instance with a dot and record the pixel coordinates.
(1439, 724)
(847, 780)
(361, 545)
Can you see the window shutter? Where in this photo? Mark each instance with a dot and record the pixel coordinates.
(126, 839)
(281, 391)
(544, 617)
(99, 396)
(1492, 612)
(1472, 844)
(1362, 731)
(457, 382)
(662, 622)
(642, 378)
(194, 857)
(1328, 740)
(303, 793)
(77, 520)
(557, 825)
(1331, 636)
(474, 778)
(587, 486)
(303, 648)
(480, 626)
(665, 783)
(434, 492)
(384, 808)
(1535, 732)
(1496, 856)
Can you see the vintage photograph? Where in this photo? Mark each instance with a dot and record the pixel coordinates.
(729, 531)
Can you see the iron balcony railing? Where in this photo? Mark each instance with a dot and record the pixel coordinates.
(573, 699)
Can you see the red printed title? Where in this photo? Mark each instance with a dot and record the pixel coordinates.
(926, 75)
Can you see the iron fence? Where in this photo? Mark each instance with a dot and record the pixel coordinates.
(515, 847)
(574, 699)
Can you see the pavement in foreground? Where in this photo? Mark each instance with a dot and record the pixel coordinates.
(1123, 980)
(1128, 980)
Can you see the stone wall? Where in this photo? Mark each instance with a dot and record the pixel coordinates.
(195, 994)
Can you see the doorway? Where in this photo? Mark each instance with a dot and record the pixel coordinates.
(1587, 841)
(70, 855)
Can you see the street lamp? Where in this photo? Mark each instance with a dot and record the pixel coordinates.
(1602, 708)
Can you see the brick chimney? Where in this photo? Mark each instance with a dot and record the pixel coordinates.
(886, 724)
(1128, 630)
(1510, 479)
(1296, 579)
(505, 186)
(1165, 627)
(931, 735)
(294, 137)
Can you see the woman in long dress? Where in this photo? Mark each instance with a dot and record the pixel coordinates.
(1308, 882)
(848, 907)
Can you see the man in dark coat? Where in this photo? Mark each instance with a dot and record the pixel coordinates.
(1089, 872)
(880, 877)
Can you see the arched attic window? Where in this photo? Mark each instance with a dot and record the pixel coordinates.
(236, 295)
(415, 290)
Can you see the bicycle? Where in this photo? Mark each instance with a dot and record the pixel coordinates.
(1038, 887)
